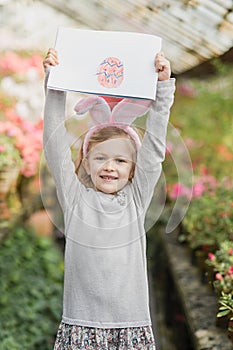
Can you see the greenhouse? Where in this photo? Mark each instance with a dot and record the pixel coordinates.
(137, 226)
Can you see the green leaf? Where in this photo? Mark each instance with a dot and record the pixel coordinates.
(223, 313)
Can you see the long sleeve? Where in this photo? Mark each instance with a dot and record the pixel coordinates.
(152, 153)
(57, 149)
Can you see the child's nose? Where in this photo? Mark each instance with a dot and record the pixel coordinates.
(109, 165)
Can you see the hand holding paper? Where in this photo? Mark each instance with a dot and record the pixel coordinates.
(122, 63)
(162, 66)
(51, 59)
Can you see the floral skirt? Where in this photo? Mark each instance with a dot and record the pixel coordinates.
(71, 337)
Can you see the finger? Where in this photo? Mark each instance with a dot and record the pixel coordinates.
(51, 58)
(160, 61)
(160, 54)
(49, 62)
(161, 66)
(52, 51)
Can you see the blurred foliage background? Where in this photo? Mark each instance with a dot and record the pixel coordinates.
(31, 265)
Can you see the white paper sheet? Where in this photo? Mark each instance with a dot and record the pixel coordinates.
(105, 63)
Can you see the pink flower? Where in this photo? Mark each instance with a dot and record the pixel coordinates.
(11, 62)
(2, 128)
(13, 131)
(209, 180)
(219, 277)
(191, 143)
(198, 189)
(205, 183)
(36, 61)
(12, 116)
(2, 148)
(27, 126)
(186, 89)
(230, 270)
(40, 124)
(230, 251)
(211, 256)
(169, 148)
(179, 190)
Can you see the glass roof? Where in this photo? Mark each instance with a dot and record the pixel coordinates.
(193, 31)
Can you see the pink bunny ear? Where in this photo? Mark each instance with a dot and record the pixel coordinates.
(129, 109)
(99, 110)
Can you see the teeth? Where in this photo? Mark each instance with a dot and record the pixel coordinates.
(108, 177)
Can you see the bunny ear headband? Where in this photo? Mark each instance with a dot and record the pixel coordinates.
(121, 116)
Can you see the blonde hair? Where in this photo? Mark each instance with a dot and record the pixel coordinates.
(104, 134)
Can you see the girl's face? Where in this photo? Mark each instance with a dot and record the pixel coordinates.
(110, 164)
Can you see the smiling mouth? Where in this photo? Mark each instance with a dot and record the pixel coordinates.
(108, 177)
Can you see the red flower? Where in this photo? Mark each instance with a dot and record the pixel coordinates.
(225, 214)
(219, 277)
(224, 152)
(211, 256)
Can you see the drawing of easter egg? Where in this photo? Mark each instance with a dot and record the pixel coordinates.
(110, 73)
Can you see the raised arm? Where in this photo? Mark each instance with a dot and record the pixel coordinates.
(56, 145)
(152, 152)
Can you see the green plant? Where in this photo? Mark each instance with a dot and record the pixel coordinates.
(222, 264)
(31, 270)
(22, 139)
(209, 219)
(19, 136)
(226, 306)
(9, 154)
(203, 113)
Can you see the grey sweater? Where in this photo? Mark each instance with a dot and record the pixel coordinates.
(105, 282)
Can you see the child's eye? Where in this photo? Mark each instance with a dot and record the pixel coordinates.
(100, 158)
(120, 160)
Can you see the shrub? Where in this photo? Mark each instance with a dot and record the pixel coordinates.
(222, 263)
(209, 219)
(31, 270)
(226, 306)
(205, 116)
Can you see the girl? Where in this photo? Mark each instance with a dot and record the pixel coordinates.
(106, 304)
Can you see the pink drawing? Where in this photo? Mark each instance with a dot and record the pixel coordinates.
(110, 73)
